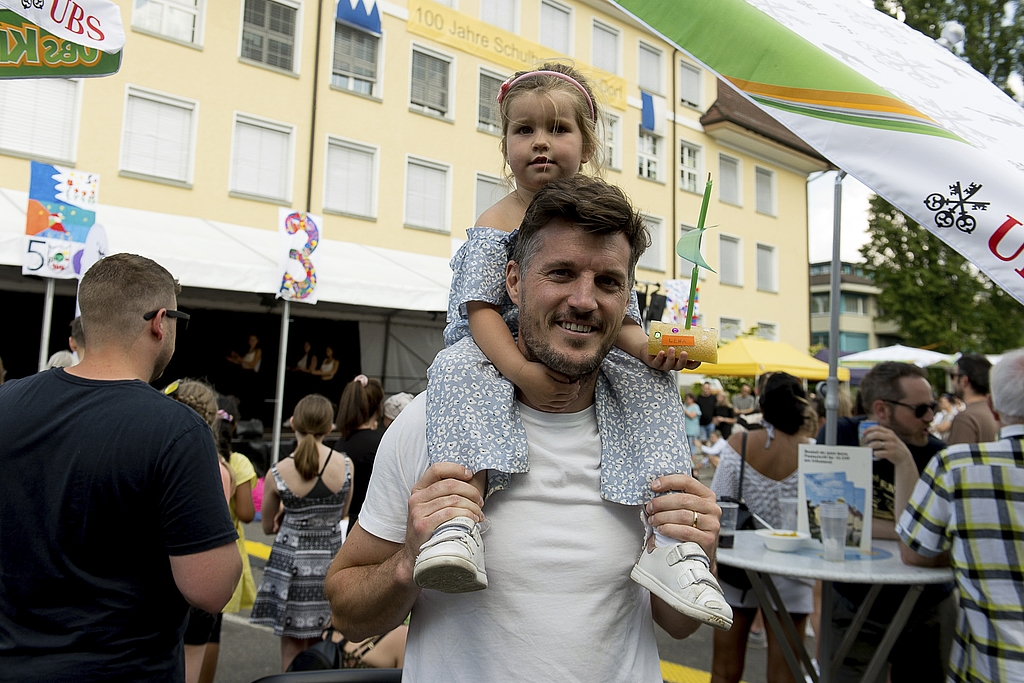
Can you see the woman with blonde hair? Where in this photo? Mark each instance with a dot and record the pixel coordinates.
(303, 503)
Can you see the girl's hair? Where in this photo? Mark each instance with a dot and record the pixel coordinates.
(311, 419)
(200, 397)
(586, 112)
(784, 405)
(227, 411)
(360, 401)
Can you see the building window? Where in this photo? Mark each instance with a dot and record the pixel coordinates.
(730, 260)
(613, 141)
(767, 268)
(765, 182)
(351, 183)
(157, 139)
(819, 304)
(690, 85)
(649, 69)
(261, 159)
(39, 118)
(729, 179)
(604, 49)
(819, 339)
(821, 269)
(500, 13)
(654, 257)
(426, 194)
(689, 167)
(268, 33)
(430, 74)
(648, 153)
(556, 26)
(853, 304)
(853, 341)
(768, 331)
(488, 111)
(355, 60)
(176, 19)
(729, 329)
(488, 192)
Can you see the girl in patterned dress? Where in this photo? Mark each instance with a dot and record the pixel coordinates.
(549, 130)
(314, 486)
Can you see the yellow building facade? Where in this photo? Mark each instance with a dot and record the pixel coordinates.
(382, 120)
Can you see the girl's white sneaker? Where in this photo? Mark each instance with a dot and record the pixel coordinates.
(681, 576)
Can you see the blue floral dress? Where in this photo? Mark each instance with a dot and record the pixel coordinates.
(473, 417)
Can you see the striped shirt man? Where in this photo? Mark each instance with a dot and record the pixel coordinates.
(969, 502)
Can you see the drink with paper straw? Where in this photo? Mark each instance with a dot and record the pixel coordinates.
(699, 343)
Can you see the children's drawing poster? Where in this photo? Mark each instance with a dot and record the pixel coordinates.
(836, 474)
(60, 222)
(676, 294)
(299, 256)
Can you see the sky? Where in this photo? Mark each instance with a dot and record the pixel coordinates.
(820, 212)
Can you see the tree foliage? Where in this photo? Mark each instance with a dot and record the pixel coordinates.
(937, 297)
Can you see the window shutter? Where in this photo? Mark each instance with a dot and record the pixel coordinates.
(729, 260)
(260, 164)
(157, 138)
(689, 84)
(605, 48)
(430, 82)
(350, 179)
(765, 268)
(649, 76)
(425, 196)
(355, 53)
(654, 257)
(37, 117)
(554, 27)
(489, 113)
(500, 13)
(729, 190)
(765, 203)
(488, 191)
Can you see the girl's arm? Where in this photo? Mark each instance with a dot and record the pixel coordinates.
(351, 486)
(633, 341)
(271, 505)
(255, 360)
(543, 387)
(244, 508)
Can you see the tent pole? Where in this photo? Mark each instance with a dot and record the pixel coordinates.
(44, 337)
(835, 275)
(279, 397)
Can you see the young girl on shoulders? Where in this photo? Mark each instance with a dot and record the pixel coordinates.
(549, 130)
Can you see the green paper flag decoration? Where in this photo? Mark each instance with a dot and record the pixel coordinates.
(688, 247)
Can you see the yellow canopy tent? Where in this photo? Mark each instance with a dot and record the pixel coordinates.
(750, 356)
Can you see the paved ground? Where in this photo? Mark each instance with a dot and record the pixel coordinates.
(249, 652)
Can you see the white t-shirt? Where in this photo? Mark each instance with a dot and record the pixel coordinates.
(560, 604)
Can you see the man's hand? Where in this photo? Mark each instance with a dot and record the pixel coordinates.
(444, 492)
(886, 445)
(672, 514)
(544, 388)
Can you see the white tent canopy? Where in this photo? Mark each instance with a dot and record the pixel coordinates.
(903, 354)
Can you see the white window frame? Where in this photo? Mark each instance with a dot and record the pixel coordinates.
(773, 286)
(765, 172)
(197, 31)
(423, 109)
(598, 25)
(654, 85)
(436, 165)
(698, 101)
(31, 152)
(377, 87)
(739, 180)
(613, 141)
(477, 177)
(492, 128)
(738, 241)
(645, 158)
(696, 171)
(654, 257)
(279, 126)
(355, 145)
(514, 28)
(169, 100)
(762, 324)
(296, 45)
(570, 25)
(736, 323)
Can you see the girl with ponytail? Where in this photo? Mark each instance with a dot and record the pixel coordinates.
(359, 414)
(304, 501)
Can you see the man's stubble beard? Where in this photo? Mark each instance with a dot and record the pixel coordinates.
(535, 350)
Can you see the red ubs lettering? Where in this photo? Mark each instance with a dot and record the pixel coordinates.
(73, 20)
(997, 237)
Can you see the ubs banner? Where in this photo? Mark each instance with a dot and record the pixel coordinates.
(27, 51)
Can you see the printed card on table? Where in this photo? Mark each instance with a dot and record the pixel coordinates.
(836, 474)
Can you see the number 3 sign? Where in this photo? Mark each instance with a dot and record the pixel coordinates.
(300, 237)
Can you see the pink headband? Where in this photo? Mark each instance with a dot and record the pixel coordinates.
(557, 74)
(362, 379)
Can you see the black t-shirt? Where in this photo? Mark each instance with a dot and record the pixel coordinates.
(361, 446)
(101, 482)
(707, 407)
(724, 427)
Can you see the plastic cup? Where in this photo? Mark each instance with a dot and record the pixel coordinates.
(727, 528)
(788, 508)
(833, 517)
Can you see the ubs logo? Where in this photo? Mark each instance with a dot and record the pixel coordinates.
(952, 211)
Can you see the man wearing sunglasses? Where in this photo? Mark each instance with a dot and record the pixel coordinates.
(113, 518)
(898, 397)
(974, 424)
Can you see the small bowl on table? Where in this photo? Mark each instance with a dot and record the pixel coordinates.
(782, 540)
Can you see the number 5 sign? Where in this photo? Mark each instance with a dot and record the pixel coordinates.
(60, 222)
(300, 237)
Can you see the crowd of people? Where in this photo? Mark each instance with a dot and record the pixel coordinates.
(545, 410)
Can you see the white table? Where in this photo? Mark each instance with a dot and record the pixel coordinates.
(881, 567)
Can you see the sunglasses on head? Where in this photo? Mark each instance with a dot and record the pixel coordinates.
(920, 410)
